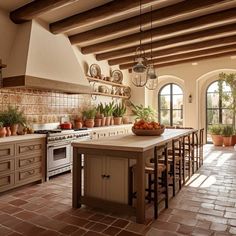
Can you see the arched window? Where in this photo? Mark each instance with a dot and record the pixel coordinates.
(217, 106)
(170, 105)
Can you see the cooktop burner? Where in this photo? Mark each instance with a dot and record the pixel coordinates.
(53, 131)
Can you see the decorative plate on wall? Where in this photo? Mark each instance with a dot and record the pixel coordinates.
(117, 76)
(95, 71)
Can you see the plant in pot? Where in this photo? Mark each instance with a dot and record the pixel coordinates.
(227, 133)
(89, 116)
(3, 130)
(108, 111)
(101, 111)
(216, 134)
(98, 117)
(12, 118)
(118, 113)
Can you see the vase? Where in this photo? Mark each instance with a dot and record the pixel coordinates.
(3, 132)
(14, 129)
(8, 131)
(89, 123)
(117, 120)
(217, 139)
(227, 141)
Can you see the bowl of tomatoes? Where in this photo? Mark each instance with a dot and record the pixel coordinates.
(145, 128)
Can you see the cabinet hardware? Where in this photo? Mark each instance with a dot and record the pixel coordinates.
(107, 176)
(103, 176)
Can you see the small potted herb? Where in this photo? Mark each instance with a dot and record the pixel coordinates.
(216, 134)
(89, 116)
(118, 113)
(108, 111)
(227, 133)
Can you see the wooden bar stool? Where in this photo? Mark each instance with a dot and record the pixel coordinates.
(201, 143)
(195, 149)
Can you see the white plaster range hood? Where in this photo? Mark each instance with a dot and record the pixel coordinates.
(40, 59)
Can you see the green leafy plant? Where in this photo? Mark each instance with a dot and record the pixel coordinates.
(90, 113)
(1, 125)
(144, 113)
(119, 110)
(12, 116)
(227, 130)
(109, 109)
(216, 129)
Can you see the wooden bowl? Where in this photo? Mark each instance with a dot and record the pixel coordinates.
(146, 132)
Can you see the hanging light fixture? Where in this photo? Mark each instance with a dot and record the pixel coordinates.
(152, 79)
(139, 70)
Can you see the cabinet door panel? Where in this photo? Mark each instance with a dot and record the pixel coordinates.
(117, 183)
(7, 150)
(29, 147)
(6, 181)
(7, 165)
(27, 161)
(93, 171)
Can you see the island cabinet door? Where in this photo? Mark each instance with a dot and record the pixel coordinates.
(94, 169)
(116, 189)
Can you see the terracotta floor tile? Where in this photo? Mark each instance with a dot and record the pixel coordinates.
(97, 217)
(111, 231)
(28, 229)
(98, 227)
(92, 233)
(120, 223)
(127, 233)
(5, 230)
(11, 209)
(79, 232)
(68, 229)
(218, 227)
(185, 229)
(25, 215)
(9, 220)
(108, 220)
(165, 226)
(18, 202)
(14, 234)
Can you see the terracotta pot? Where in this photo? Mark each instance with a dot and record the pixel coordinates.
(227, 141)
(8, 130)
(103, 123)
(112, 121)
(14, 129)
(117, 120)
(89, 123)
(97, 122)
(108, 121)
(125, 120)
(217, 139)
(3, 132)
(233, 140)
(78, 124)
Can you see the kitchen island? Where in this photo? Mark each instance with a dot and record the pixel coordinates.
(122, 147)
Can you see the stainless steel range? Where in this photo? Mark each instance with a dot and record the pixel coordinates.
(59, 149)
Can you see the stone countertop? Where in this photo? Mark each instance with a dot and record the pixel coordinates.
(132, 142)
(21, 138)
(110, 127)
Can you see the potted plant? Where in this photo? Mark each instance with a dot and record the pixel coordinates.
(12, 118)
(108, 111)
(98, 117)
(101, 111)
(2, 130)
(118, 113)
(216, 134)
(227, 133)
(89, 116)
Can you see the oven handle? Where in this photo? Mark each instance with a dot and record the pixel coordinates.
(59, 145)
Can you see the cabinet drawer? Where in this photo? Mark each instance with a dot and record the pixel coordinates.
(28, 174)
(113, 133)
(7, 165)
(29, 147)
(121, 131)
(22, 162)
(102, 135)
(6, 181)
(7, 150)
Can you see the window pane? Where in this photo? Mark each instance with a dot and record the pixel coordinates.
(213, 87)
(226, 87)
(177, 101)
(165, 90)
(213, 116)
(177, 89)
(227, 99)
(165, 117)
(213, 100)
(177, 117)
(227, 116)
(165, 102)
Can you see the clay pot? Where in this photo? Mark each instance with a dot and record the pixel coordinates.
(117, 120)
(125, 120)
(103, 123)
(78, 124)
(14, 129)
(89, 123)
(3, 132)
(8, 131)
(97, 122)
(227, 141)
(217, 139)
(233, 140)
(112, 121)
(108, 121)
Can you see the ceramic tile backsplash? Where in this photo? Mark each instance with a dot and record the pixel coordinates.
(44, 106)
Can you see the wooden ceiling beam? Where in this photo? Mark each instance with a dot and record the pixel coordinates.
(185, 8)
(172, 42)
(98, 14)
(183, 27)
(184, 56)
(200, 58)
(36, 8)
(214, 43)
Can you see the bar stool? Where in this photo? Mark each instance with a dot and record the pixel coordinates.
(200, 150)
(195, 149)
(157, 180)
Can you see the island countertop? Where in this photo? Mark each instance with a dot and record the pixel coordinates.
(132, 142)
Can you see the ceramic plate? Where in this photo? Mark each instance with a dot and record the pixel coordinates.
(95, 71)
(117, 76)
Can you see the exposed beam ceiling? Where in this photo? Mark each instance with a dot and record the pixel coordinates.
(36, 8)
(185, 9)
(188, 55)
(98, 14)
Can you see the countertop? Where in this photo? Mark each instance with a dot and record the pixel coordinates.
(131, 142)
(110, 127)
(21, 137)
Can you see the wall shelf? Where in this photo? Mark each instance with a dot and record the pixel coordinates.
(110, 95)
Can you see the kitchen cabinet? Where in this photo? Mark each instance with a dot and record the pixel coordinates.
(106, 178)
(21, 162)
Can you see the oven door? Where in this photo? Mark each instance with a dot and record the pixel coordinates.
(58, 155)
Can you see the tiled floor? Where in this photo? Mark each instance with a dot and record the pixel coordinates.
(206, 206)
